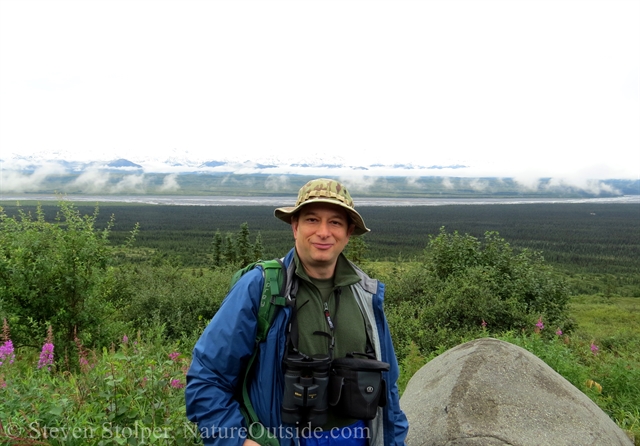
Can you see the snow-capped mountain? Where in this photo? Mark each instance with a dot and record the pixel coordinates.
(176, 161)
(168, 172)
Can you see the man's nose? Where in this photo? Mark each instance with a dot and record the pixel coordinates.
(323, 229)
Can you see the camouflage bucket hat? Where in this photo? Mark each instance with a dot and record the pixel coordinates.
(323, 190)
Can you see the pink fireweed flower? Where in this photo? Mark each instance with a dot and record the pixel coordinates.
(539, 324)
(483, 324)
(176, 384)
(84, 364)
(559, 332)
(125, 339)
(594, 348)
(6, 353)
(46, 356)
(173, 356)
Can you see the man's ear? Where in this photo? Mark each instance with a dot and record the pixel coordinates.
(294, 226)
(352, 226)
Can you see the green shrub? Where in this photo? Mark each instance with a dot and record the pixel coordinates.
(166, 295)
(463, 283)
(60, 274)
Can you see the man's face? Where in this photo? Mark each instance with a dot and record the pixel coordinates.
(321, 231)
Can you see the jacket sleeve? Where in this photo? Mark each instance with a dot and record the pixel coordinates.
(218, 362)
(397, 418)
(396, 425)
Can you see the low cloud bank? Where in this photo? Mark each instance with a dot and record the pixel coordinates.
(54, 177)
(16, 181)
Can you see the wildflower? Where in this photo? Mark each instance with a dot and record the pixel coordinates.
(559, 332)
(6, 352)
(46, 355)
(594, 385)
(6, 349)
(82, 354)
(176, 384)
(594, 348)
(539, 324)
(173, 356)
(483, 324)
(125, 339)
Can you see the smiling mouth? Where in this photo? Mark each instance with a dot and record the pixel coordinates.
(322, 245)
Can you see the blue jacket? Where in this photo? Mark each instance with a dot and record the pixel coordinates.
(221, 353)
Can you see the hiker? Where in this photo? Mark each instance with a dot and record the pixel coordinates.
(326, 371)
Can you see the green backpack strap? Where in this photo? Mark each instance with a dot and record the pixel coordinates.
(272, 298)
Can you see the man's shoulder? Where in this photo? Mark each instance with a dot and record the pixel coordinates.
(368, 283)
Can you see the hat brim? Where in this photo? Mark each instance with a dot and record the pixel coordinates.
(286, 213)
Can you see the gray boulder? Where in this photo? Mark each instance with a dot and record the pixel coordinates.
(490, 392)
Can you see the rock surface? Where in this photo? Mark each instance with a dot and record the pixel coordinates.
(490, 392)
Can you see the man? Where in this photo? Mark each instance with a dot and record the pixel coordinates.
(335, 310)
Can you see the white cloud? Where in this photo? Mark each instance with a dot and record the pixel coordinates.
(447, 183)
(16, 181)
(478, 185)
(170, 183)
(129, 183)
(93, 181)
(276, 183)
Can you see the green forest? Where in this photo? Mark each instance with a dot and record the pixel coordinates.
(101, 305)
(597, 238)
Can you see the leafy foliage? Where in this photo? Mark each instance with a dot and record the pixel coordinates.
(60, 274)
(463, 283)
(356, 250)
(129, 394)
(166, 295)
(64, 272)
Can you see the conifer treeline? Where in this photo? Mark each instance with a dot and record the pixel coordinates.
(598, 238)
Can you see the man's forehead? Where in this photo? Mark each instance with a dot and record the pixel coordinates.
(316, 208)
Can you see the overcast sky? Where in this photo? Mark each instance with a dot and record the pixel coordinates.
(508, 88)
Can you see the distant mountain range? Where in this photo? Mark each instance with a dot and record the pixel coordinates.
(179, 173)
(181, 163)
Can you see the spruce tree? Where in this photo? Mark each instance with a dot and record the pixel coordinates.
(217, 249)
(229, 249)
(257, 247)
(244, 248)
(356, 249)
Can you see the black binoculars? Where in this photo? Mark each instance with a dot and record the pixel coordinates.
(306, 381)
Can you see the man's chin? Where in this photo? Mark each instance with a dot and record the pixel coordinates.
(321, 259)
